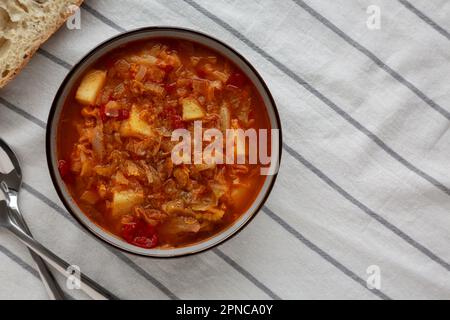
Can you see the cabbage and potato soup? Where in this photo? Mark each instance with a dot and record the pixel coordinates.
(114, 142)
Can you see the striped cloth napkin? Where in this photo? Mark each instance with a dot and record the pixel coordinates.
(361, 207)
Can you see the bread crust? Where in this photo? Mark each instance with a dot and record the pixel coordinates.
(36, 45)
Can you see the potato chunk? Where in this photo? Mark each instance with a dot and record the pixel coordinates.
(124, 201)
(192, 110)
(90, 87)
(135, 126)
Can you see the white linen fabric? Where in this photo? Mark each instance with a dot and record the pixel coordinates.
(364, 184)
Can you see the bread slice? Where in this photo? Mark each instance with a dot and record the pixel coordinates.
(24, 26)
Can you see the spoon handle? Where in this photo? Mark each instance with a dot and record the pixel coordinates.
(90, 287)
(51, 286)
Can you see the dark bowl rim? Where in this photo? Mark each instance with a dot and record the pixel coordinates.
(125, 35)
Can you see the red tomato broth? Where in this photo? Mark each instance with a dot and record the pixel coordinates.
(185, 68)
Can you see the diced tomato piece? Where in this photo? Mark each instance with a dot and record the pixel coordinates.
(123, 114)
(168, 68)
(140, 234)
(170, 88)
(146, 242)
(236, 79)
(177, 122)
(63, 168)
(128, 231)
(175, 119)
(103, 114)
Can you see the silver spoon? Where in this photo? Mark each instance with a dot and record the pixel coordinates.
(11, 219)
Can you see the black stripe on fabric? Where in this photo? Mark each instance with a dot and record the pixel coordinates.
(425, 18)
(26, 266)
(120, 255)
(20, 262)
(367, 210)
(322, 253)
(246, 274)
(142, 272)
(321, 97)
(102, 18)
(373, 57)
(24, 114)
(54, 58)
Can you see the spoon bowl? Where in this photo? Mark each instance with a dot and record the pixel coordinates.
(13, 178)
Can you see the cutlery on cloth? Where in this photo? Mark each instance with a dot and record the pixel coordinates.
(11, 219)
(10, 184)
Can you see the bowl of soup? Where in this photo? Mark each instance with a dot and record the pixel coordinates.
(163, 142)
